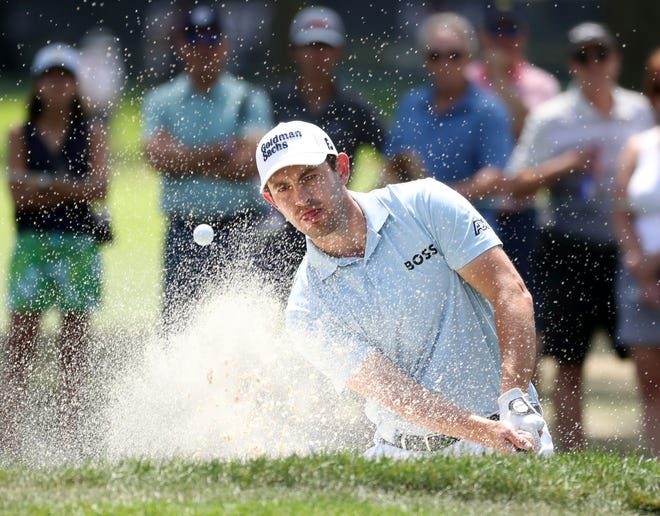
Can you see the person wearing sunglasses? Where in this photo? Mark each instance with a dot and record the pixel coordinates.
(569, 147)
(636, 222)
(450, 129)
(199, 132)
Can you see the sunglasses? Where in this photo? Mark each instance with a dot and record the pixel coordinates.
(592, 54)
(450, 55)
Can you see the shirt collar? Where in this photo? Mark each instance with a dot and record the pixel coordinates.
(376, 215)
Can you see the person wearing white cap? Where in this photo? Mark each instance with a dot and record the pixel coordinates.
(569, 147)
(314, 94)
(57, 164)
(406, 297)
(199, 131)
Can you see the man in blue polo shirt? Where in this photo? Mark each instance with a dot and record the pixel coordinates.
(199, 130)
(451, 130)
(406, 297)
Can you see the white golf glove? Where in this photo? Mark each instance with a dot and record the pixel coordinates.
(516, 408)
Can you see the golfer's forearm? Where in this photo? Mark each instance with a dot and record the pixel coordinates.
(380, 380)
(514, 322)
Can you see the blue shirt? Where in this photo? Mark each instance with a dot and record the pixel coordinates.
(405, 299)
(232, 109)
(474, 133)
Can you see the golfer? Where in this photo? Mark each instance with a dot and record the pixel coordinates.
(406, 297)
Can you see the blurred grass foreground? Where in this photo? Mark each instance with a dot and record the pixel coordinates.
(589, 483)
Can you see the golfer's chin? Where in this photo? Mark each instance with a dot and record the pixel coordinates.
(313, 228)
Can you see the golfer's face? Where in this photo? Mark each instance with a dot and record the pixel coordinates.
(309, 197)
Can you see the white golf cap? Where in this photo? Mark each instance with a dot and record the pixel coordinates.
(292, 143)
(317, 24)
(55, 55)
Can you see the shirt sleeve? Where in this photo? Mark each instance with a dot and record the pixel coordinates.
(458, 228)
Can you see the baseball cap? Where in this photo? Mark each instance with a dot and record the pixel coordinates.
(55, 55)
(503, 18)
(317, 24)
(291, 143)
(590, 33)
(202, 25)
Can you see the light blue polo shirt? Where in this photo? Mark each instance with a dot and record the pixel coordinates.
(404, 299)
(232, 109)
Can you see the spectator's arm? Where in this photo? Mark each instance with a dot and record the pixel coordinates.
(33, 190)
(642, 266)
(173, 158)
(531, 179)
(487, 182)
(403, 167)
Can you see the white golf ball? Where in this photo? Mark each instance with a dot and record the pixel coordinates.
(203, 234)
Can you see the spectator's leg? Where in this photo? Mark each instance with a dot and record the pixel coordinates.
(647, 361)
(73, 346)
(21, 351)
(567, 399)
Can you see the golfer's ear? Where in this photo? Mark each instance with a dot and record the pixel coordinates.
(269, 198)
(344, 166)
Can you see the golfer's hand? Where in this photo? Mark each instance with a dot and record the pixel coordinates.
(504, 438)
(516, 408)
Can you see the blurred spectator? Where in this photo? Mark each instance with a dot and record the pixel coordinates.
(637, 224)
(570, 146)
(451, 130)
(314, 95)
(503, 68)
(101, 73)
(200, 132)
(57, 168)
(504, 71)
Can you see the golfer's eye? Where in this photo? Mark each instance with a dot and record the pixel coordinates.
(308, 178)
(281, 188)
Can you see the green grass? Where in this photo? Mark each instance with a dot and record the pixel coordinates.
(587, 483)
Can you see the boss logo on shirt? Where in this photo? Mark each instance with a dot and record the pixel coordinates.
(419, 259)
(480, 225)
